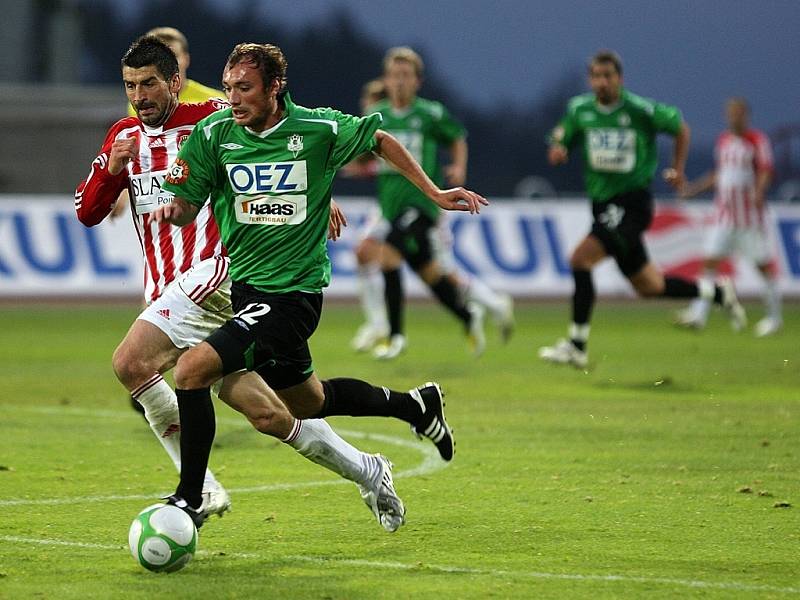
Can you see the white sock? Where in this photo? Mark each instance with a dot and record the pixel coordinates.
(579, 333)
(161, 411)
(370, 288)
(477, 291)
(701, 305)
(314, 439)
(772, 299)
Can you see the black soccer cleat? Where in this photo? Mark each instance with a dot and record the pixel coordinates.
(197, 515)
(432, 424)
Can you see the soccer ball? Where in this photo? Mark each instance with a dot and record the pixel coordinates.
(162, 538)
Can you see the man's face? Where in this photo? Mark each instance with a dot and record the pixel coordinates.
(736, 115)
(605, 82)
(401, 81)
(183, 59)
(151, 96)
(252, 105)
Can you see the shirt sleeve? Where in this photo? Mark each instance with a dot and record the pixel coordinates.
(666, 118)
(446, 129)
(193, 175)
(96, 195)
(564, 131)
(763, 154)
(354, 136)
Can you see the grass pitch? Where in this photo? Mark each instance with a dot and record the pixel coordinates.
(670, 469)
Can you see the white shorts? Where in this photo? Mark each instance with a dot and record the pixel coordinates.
(441, 238)
(193, 305)
(750, 243)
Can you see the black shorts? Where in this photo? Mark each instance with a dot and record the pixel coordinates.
(413, 234)
(620, 223)
(268, 334)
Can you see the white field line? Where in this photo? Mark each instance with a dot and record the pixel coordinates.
(430, 463)
(399, 566)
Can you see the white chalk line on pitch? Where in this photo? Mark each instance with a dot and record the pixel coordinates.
(447, 569)
(431, 461)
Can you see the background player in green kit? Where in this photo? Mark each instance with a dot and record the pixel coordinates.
(424, 127)
(267, 166)
(616, 132)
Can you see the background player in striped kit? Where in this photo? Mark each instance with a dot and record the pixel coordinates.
(616, 132)
(187, 284)
(743, 173)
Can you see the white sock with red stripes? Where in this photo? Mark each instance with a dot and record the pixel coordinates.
(314, 439)
(161, 412)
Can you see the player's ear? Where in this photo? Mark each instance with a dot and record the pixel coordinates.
(175, 83)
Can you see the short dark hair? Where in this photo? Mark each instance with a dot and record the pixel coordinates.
(267, 58)
(608, 57)
(149, 50)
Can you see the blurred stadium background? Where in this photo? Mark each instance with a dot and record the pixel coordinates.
(506, 72)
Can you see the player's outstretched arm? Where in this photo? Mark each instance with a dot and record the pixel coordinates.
(395, 154)
(179, 212)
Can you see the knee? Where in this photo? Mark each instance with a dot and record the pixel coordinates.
(193, 371)
(131, 369)
(365, 254)
(649, 289)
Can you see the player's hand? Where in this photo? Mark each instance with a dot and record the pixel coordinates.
(675, 178)
(123, 151)
(557, 154)
(177, 212)
(459, 198)
(336, 221)
(455, 174)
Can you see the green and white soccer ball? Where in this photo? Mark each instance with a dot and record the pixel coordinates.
(162, 538)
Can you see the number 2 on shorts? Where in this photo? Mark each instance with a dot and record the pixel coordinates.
(250, 313)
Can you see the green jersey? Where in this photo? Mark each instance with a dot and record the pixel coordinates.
(422, 128)
(618, 142)
(270, 191)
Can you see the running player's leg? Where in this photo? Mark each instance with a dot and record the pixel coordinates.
(370, 285)
(573, 350)
(394, 298)
(755, 247)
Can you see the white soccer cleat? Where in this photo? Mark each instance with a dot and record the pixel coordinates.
(367, 337)
(475, 334)
(396, 345)
(216, 500)
(730, 303)
(503, 316)
(564, 352)
(687, 319)
(383, 500)
(768, 326)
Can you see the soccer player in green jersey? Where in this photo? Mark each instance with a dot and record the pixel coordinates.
(616, 133)
(411, 228)
(267, 166)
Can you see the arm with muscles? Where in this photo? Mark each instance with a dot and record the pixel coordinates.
(456, 171)
(675, 175)
(457, 198)
(763, 180)
(180, 212)
(699, 186)
(96, 196)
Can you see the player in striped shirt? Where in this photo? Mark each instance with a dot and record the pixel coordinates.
(187, 287)
(743, 173)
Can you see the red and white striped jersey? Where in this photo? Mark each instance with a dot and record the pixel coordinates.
(168, 251)
(739, 159)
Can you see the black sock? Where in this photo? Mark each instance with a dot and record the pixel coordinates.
(582, 301)
(676, 287)
(448, 295)
(393, 295)
(198, 427)
(358, 398)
